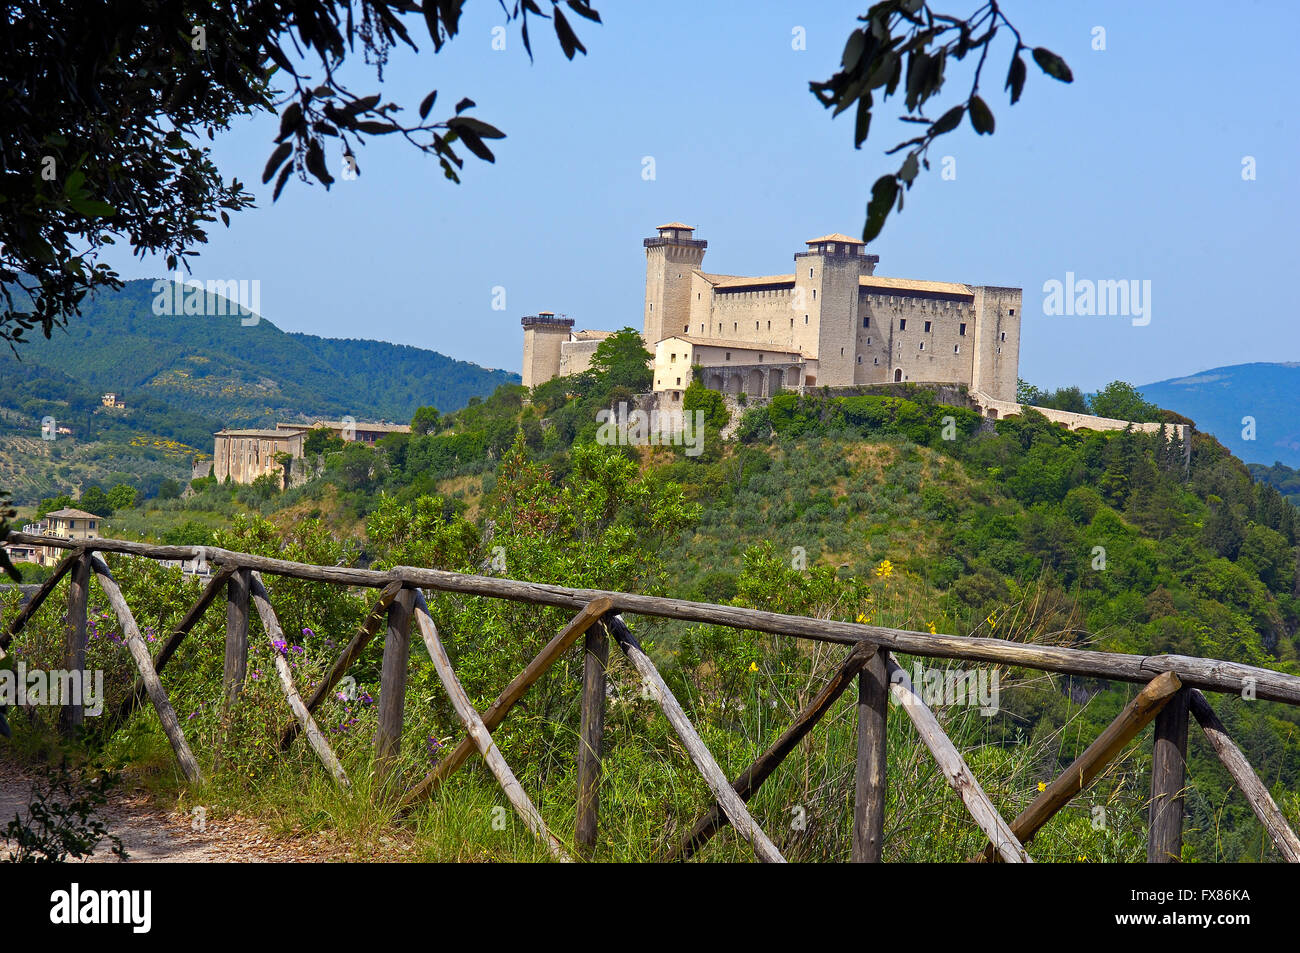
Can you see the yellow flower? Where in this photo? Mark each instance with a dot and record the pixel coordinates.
(1083, 858)
(863, 618)
(885, 569)
(753, 666)
(1042, 786)
(993, 623)
(932, 630)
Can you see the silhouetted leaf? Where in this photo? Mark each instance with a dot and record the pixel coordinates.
(863, 124)
(427, 103)
(477, 126)
(948, 121)
(279, 186)
(1016, 79)
(981, 117)
(464, 104)
(316, 163)
(1052, 65)
(569, 41)
(883, 194)
(279, 155)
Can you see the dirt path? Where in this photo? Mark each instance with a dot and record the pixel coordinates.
(151, 835)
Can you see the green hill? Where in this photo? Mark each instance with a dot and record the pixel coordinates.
(1220, 398)
(248, 375)
(183, 377)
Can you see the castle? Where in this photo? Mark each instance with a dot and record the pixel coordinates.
(832, 322)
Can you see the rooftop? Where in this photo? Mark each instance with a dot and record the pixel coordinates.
(689, 228)
(71, 514)
(835, 237)
(887, 285)
(729, 343)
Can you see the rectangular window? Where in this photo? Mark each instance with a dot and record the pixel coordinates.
(1011, 311)
(679, 382)
(805, 319)
(927, 327)
(875, 360)
(1004, 335)
(728, 355)
(902, 324)
(922, 345)
(859, 358)
(866, 321)
(672, 357)
(956, 349)
(961, 329)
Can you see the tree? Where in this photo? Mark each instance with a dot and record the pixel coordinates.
(425, 420)
(110, 105)
(121, 497)
(321, 440)
(95, 500)
(1123, 401)
(905, 42)
(624, 361)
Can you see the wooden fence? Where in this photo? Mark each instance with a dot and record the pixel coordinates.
(1172, 691)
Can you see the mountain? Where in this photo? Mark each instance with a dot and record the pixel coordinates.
(181, 377)
(1220, 398)
(247, 375)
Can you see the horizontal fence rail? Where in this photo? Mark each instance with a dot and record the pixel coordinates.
(1169, 694)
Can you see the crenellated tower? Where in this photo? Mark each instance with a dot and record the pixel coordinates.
(669, 260)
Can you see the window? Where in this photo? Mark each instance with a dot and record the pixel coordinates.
(927, 327)
(866, 321)
(760, 358)
(792, 322)
(697, 296)
(1011, 311)
(719, 327)
(652, 305)
(734, 326)
(859, 358)
(672, 357)
(677, 395)
(679, 382)
(769, 325)
(805, 319)
(902, 324)
(922, 345)
(728, 355)
(961, 329)
(1004, 335)
(841, 352)
(809, 272)
(956, 349)
(701, 329)
(815, 295)
(686, 329)
(875, 360)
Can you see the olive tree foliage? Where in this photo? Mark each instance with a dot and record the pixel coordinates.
(905, 45)
(107, 111)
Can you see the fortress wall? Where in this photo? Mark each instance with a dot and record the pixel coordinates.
(947, 355)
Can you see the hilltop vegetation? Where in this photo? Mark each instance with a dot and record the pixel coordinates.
(889, 507)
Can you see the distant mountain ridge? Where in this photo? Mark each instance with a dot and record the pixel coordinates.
(1219, 400)
(249, 375)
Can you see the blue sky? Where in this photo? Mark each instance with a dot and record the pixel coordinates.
(1132, 172)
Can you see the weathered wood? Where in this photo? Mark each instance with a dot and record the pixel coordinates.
(72, 715)
(954, 768)
(591, 734)
(140, 654)
(734, 807)
(137, 696)
(271, 625)
(870, 774)
(1261, 802)
(352, 652)
(235, 669)
(1168, 782)
(392, 684)
(511, 694)
(478, 731)
(752, 778)
(1082, 770)
(39, 596)
(1209, 674)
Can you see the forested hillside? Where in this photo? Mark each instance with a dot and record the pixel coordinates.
(183, 377)
(889, 508)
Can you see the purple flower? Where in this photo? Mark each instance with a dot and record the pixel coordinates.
(309, 633)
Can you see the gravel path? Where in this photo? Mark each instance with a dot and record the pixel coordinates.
(151, 835)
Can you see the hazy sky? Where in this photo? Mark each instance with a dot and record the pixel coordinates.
(1132, 172)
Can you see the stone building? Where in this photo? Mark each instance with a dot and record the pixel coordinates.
(831, 322)
(245, 455)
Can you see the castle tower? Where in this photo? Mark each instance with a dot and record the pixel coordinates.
(669, 260)
(997, 342)
(543, 335)
(825, 304)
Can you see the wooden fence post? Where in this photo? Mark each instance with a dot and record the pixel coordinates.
(869, 793)
(392, 683)
(1168, 780)
(236, 665)
(595, 657)
(72, 714)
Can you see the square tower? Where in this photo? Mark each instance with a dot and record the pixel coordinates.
(670, 258)
(544, 333)
(825, 304)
